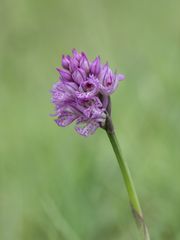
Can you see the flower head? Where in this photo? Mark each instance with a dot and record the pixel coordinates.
(82, 92)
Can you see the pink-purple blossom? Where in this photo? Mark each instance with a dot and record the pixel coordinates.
(82, 92)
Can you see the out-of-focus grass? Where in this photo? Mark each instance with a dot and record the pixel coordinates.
(55, 184)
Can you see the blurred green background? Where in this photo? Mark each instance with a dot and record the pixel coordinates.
(55, 184)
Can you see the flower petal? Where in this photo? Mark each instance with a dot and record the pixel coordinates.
(65, 119)
(87, 128)
(120, 77)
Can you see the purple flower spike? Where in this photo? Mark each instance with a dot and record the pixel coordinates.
(82, 94)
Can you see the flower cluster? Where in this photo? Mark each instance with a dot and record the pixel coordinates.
(82, 92)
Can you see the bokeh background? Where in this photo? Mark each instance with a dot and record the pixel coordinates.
(57, 185)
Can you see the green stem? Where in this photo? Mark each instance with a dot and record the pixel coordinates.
(133, 198)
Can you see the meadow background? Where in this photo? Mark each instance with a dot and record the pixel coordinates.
(57, 185)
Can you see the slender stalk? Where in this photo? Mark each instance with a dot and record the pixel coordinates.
(133, 198)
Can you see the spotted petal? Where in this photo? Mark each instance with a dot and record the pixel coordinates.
(87, 128)
(65, 119)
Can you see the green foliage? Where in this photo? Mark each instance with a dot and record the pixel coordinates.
(55, 184)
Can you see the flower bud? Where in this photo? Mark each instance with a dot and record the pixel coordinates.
(79, 75)
(65, 61)
(73, 65)
(65, 74)
(84, 63)
(95, 66)
(76, 54)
